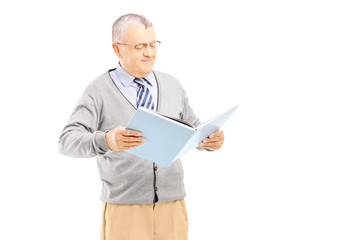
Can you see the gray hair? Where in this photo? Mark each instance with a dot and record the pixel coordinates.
(121, 24)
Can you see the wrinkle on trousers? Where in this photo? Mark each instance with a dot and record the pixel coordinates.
(154, 221)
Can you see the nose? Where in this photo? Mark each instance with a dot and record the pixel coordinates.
(149, 51)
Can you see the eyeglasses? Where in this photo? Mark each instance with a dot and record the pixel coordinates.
(142, 46)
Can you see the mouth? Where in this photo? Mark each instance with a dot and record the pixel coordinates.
(147, 61)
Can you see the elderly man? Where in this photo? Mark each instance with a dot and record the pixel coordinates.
(141, 200)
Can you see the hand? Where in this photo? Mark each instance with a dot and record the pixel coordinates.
(120, 139)
(214, 141)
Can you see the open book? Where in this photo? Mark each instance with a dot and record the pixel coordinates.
(167, 139)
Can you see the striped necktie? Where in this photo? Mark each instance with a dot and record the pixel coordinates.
(144, 97)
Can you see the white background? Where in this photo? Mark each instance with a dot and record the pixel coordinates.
(289, 168)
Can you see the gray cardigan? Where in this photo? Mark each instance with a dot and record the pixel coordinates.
(125, 178)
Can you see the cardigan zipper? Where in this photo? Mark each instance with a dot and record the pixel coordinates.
(156, 197)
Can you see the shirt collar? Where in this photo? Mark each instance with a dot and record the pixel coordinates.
(126, 78)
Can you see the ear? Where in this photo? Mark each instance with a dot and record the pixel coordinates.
(116, 50)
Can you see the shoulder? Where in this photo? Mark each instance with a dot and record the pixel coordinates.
(166, 79)
(100, 84)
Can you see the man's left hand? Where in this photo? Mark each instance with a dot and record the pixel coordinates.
(214, 141)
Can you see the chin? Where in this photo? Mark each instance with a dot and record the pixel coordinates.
(148, 69)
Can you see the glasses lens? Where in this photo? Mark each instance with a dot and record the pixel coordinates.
(140, 46)
(155, 44)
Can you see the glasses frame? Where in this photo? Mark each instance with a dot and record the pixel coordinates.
(144, 45)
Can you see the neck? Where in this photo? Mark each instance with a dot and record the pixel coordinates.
(137, 75)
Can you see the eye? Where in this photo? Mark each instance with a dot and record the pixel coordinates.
(140, 46)
(155, 44)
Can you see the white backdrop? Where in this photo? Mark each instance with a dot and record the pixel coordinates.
(289, 168)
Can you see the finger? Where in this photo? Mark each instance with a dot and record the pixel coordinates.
(205, 145)
(132, 145)
(129, 132)
(216, 134)
(133, 139)
(208, 147)
(208, 141)
(214, 139)
(211, 145)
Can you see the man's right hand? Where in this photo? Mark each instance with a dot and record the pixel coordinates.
(120, 139)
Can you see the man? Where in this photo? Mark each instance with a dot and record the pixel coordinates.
(141, 200)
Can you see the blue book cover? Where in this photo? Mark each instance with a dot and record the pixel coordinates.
(167, 139)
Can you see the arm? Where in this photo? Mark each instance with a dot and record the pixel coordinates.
(211, 143)
(189, 116)
(80, 136)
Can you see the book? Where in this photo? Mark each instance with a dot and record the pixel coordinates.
(166, 138)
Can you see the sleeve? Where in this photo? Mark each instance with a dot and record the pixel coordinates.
(80, 137)
(189, 116)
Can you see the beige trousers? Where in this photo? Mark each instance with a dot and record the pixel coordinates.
(158, 221)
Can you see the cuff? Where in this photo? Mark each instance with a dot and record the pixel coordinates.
(100, 141)
(203, 149)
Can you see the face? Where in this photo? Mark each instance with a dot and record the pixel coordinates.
(138, 63)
